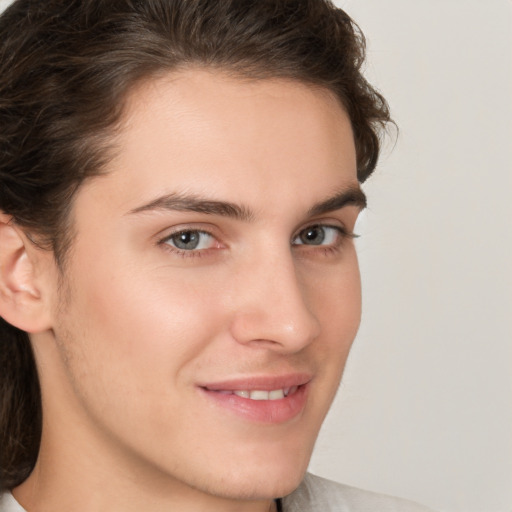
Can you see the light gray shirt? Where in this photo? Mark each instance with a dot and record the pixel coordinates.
(315, 494)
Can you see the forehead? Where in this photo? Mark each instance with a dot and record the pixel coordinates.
(207, 133)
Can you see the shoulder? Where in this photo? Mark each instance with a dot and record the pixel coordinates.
(317, 493)
(9, 504)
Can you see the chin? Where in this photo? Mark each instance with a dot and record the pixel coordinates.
(271, 480)
(266, 468)
(258, 489)
(282, 485)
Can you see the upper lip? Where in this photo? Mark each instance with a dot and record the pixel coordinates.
(259, 382)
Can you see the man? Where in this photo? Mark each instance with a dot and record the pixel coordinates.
(179, 287)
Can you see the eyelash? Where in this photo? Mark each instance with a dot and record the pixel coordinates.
(327, 250)
(343, 235)
(193, 253)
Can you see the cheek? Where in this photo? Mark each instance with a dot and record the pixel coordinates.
(143, 326)
(336, 300)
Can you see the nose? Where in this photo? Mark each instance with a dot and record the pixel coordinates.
(271, 305)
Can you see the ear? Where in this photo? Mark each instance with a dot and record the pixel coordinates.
(22, 301)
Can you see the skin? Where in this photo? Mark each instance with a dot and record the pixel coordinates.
(134, 326)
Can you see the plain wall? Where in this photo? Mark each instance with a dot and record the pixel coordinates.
(424, 410)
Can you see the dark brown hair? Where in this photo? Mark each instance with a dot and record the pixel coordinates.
(66, 67)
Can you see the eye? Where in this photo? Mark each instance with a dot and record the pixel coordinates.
(190, 240)
(319, 235)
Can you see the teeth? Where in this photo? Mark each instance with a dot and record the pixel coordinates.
(292, 390)
(259, 395)
(275, 394)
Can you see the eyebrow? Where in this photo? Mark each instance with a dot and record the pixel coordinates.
(194, 203)
(352, 196)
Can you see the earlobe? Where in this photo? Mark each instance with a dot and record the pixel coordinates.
(21, 301)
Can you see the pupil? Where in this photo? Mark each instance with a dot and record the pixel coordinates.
(187, 240)
(313, 236)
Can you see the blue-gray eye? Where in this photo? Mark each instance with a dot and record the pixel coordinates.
(317, 235)
(190, 240)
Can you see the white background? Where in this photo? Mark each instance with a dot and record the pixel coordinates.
(425, 407)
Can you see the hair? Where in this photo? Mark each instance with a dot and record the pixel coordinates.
(66, 67)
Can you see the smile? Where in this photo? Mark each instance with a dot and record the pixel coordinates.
(264, 400)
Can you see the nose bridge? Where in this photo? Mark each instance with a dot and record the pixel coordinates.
(272, 304)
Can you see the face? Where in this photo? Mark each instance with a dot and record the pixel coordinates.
(212, 292)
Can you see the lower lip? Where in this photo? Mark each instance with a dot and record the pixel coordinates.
(263, 411)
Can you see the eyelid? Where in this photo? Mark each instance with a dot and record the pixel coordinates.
(168, 232)
(337, 225)
(210, 230)
(205, 234)
(162, 240)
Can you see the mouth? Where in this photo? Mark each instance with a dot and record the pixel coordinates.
(261, 394)
(269, 400)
